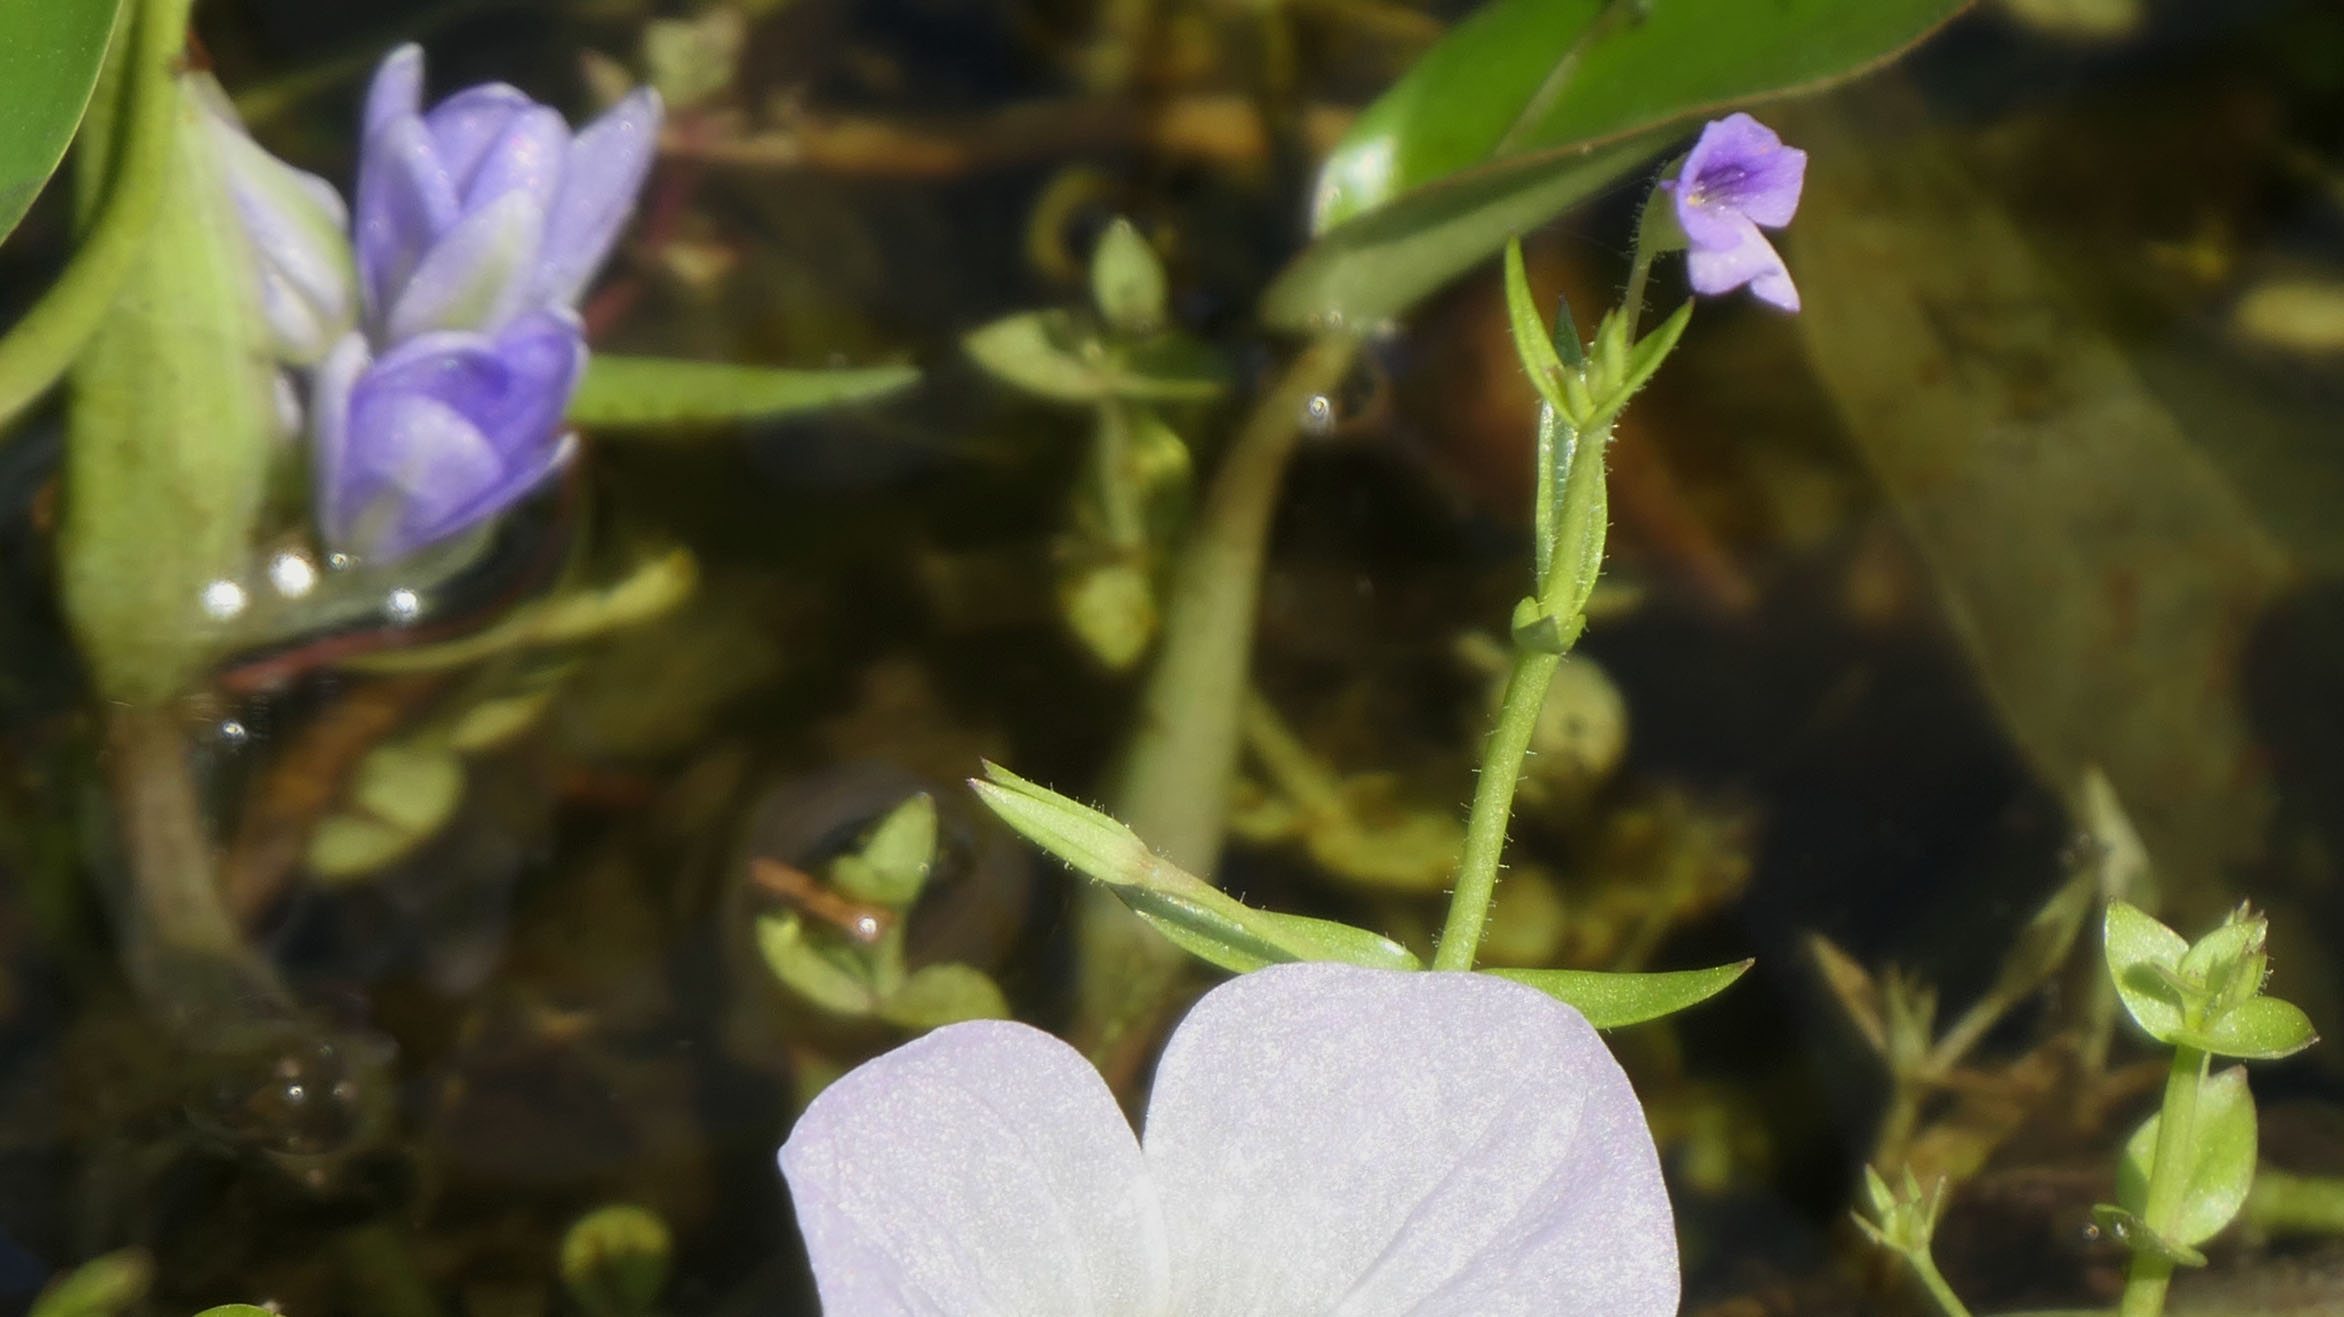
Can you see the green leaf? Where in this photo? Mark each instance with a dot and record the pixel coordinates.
(100, 1287)
(937, 995)
(401, 795)
(1045, 353)
(1532, 343)
(1529, 106)
(2221, 1161)
(814, 972)
(1378, 265)
(1612, 1000)
(2137, 947)
(50, 53)
(652, 586)
(2129, 1230)
(626, 392)
(614, 1261)
(1127, 281)
(2257, 1029)
(893, 864)
(1193, 914)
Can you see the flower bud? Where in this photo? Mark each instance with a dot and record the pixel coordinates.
(442, 432)
(486, 206)
(296, 222)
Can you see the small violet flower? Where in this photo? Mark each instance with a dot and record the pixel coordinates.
(486, 206)
(1738, 178)
(479, 223)
(440, 433)
(1321, 1138)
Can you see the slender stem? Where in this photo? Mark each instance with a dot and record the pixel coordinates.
(1639, 272)
(1182, 760)
(1933, 1280)
(181, 947)
(2145, 1284)
(1177, 772)
(1493, 808)
(42, 344)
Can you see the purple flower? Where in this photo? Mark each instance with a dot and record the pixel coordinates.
(440, 433)
(1320, 1138)
(486, 206)
(1738, 177)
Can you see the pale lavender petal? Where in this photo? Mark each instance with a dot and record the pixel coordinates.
(397, 89)
(1739, 164)
(405, 202)
(982, 1169)
(476, 277)
(329, 416)
(478, 127)
(1748, 259)
(1331, 1139)
(297, 224)
(607, 165)
(415, 462)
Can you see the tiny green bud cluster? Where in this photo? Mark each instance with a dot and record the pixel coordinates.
(2207, 995)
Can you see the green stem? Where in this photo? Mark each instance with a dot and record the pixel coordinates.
(1933, 1280)
(41, 345)
(1183, 754)
(1182, 760)
(1493, 808)
(2152, 1273)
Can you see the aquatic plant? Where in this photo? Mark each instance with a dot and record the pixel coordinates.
(1318, 1136)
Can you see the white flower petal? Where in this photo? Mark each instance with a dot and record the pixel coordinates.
(1330, 1139)
(982, 1169)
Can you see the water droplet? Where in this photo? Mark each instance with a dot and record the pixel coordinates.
(339, 562)
(293, 575)
(223, 599)
(403, 605)
(232, 732)
(1318, 415)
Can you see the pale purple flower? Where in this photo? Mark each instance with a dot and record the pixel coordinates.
(486, 206)
(440, 433)
(1738, 178)
(297, 227)
(1321, 1138)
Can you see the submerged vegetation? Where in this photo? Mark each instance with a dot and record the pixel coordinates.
(661, 662)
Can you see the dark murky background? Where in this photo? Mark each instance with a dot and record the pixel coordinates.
(1890, 579)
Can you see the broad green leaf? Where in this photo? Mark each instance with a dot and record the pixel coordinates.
(1612, 1000)
(2136, 947)
(1193, 914)
(626, 392)
(615, 1259)
(2221, 1167)
(937, 995)
(2257, 1029)
(1531, 105)
(50, 53)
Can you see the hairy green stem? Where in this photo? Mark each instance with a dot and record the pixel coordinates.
(44, 343)
(1493, 808)
(2151, 1272)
